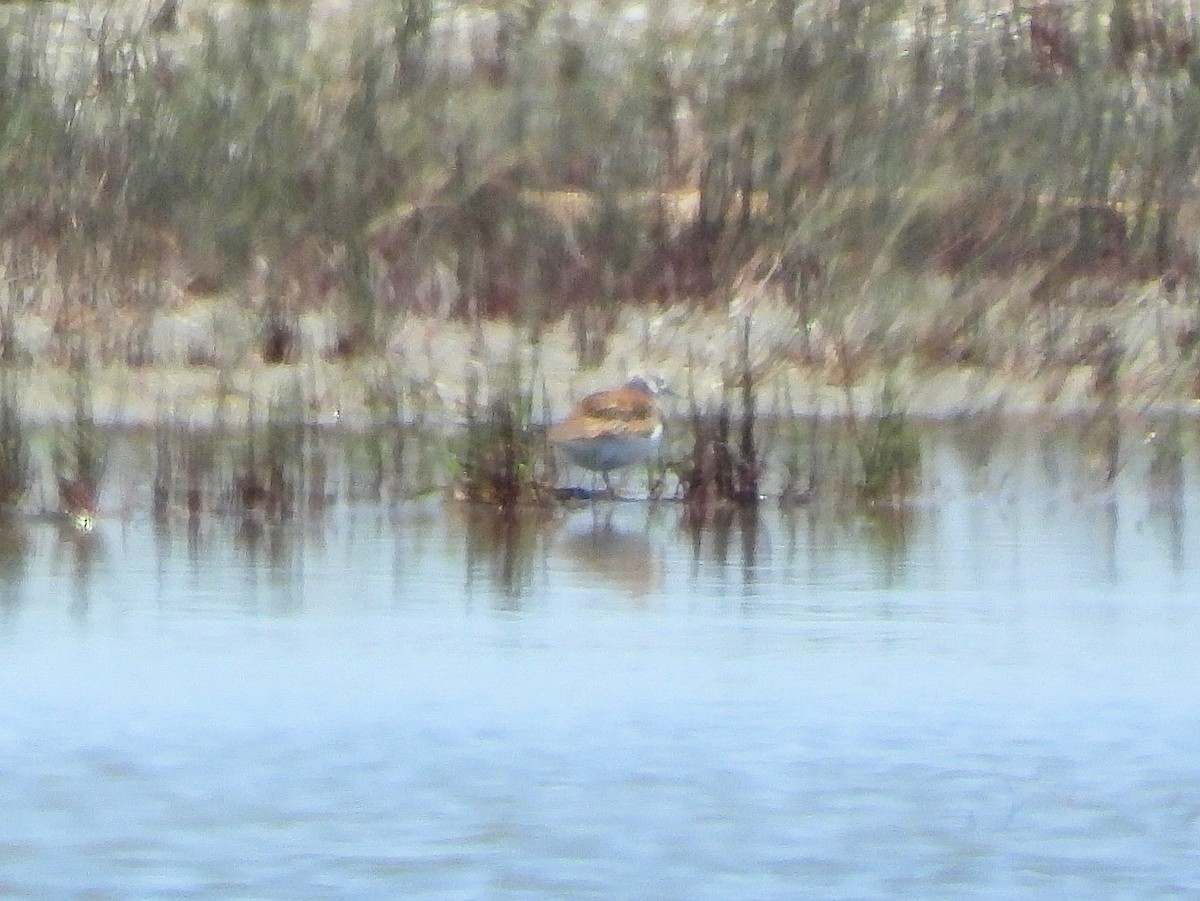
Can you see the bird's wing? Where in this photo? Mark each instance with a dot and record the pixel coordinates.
(620, 404)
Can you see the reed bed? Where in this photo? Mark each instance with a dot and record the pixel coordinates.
(515, 160)
(1003, 189)
(16, 472)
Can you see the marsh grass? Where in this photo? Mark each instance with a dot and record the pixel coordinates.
(500, 457)
(430, 455)
(248, 492)
(16, 473)
(165, 468)
(398, 455)
(798, 456)
(270, 475)
(497, 463)
(384, 443)
(80, 448)
(1165, 470)
(287, 442)
(889, 451)
(706, 476)
(392, 164)
(724, 468)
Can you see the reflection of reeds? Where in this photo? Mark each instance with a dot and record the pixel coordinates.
(889, 528)
(503, 539)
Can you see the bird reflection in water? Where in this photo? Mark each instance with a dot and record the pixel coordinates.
(512, 546)
(614, 557)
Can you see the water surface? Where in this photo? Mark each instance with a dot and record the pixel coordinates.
(993, 695)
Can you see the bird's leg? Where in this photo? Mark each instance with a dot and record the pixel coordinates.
(608, 488)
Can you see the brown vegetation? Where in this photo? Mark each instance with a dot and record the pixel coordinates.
(511, 163)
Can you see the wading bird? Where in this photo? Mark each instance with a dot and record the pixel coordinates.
(615, 428)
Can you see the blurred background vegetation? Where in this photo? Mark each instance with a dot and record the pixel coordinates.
(530, 160)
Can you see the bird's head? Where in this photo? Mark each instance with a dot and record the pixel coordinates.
(654, 385)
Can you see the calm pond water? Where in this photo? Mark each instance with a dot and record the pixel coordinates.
(994, 697)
